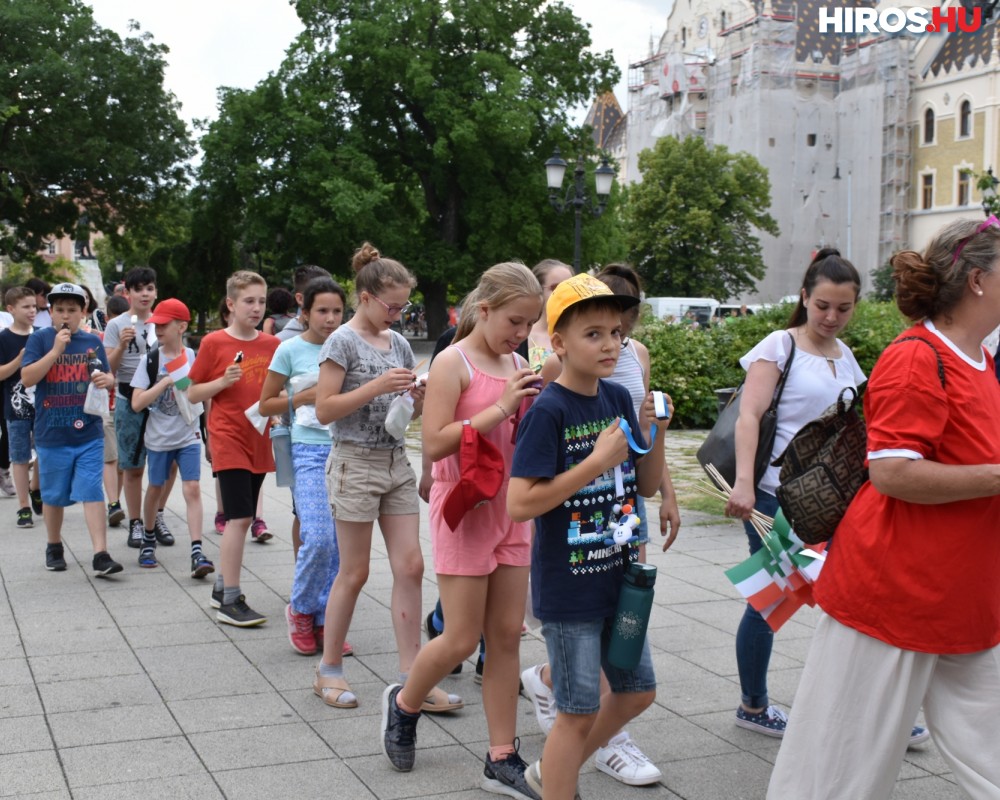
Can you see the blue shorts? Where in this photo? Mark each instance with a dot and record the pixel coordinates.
(19, 440)
(128, 424)
(578, 652)
(188, 461)
(72, 473)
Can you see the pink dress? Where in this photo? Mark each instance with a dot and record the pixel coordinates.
(486, 536)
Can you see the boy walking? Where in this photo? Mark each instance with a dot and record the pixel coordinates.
(69, 442)
(128, 338)
(18, 412)
(573, 469)
(230, 370)
(170, 436)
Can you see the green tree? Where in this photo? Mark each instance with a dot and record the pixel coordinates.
(690, 224)
(88, 135)
(456, 105)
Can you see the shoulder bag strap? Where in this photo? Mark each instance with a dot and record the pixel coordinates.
(930, 344)
(784, 375)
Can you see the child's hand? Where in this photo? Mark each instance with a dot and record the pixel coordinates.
(417, 392)
(102, 380)
(232, 374)
(523, 383)
(127, 335)
(394, 381)
(62, 339)
(648, 412)
(611, 447)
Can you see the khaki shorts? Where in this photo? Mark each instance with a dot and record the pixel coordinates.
(365, 484)
(110, 440)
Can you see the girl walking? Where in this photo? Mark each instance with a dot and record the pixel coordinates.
(481, 560)
(364, 366)
(318, 559)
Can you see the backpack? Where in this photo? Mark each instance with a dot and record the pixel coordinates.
(152, 368)
(824, 465)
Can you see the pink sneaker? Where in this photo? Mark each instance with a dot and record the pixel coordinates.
(348, 650)
(259, 531)
(318, 633)
(300, 631)
(220, 522)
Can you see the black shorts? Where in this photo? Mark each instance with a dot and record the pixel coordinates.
(240, 489)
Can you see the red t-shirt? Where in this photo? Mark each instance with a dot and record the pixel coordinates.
(923, 577)
(234, 441)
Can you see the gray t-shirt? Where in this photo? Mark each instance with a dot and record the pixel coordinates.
(145, 338)
(165, 429)
(291, 330)
(363, 363)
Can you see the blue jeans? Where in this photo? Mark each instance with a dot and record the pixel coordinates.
(754, 638)
(318, 560)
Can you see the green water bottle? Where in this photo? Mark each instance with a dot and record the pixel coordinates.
(635, 602)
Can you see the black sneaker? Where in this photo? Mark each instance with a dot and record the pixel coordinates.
(506, 776)
(433, 633)
(24, 518)
(239, 614)
(54, 558)
(399, 731)
(200, 567)
(105, 565)
(480, 663)
(217, 595)
(134, 533)
(147, 556)
(115, 514)
(36, 501)
(163, 534)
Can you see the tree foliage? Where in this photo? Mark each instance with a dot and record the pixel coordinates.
(690, 224)
(88, 135)
(419, 125)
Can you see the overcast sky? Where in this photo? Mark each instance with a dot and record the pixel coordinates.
(237, 42)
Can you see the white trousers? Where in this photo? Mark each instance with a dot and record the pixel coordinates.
(854, 707)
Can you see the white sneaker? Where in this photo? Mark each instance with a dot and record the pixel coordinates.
(541, 697)
(6, 483)
(624, 761)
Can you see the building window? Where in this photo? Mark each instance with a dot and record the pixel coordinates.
(723, 22)
(926, 191)
(964, 187)
(811, 139)
(52, 247)
(929, 126)
(965, 119)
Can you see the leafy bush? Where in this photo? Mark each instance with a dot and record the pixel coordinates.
(691, 364)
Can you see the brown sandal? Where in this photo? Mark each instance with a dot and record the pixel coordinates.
(439, 702)
(331, 690)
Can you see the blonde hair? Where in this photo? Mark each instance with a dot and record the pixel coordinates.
(243, 279)
(499, 285)
(374, 273)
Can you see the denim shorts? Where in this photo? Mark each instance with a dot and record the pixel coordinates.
(578, 652)
(19, 440)
(72, 473)
(188, 462)
(128, 425)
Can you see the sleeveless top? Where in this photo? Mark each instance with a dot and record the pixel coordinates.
(629, 374)
(482, 392)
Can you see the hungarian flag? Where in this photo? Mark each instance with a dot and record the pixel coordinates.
(178, 370)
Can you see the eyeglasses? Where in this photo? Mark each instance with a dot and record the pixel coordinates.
(991, 222)
(392, 310)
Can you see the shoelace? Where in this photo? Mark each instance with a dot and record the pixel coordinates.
(629, 748)
(775, 714)
(406, 730)
(303, 624)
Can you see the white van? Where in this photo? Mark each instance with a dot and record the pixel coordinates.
(676, 307)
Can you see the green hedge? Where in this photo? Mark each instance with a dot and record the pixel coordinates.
(691, 364)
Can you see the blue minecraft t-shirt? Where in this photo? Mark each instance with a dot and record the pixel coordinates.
(575, 574)
(59, 396)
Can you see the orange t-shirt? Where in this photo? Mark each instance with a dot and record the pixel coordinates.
(235, 443)
(922, 577)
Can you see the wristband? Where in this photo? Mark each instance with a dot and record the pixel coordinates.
(502, 410)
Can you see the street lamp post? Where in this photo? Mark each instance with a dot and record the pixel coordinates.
(576, 193)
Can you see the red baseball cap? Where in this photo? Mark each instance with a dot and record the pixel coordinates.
(169, 310)
(482, 472)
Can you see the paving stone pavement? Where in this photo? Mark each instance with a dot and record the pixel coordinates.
(128, 687)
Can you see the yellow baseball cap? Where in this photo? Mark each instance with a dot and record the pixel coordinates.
(577, 289)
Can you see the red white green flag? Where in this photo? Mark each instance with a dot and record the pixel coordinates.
(178, 369)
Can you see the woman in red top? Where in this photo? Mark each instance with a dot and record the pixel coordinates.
(911, 588)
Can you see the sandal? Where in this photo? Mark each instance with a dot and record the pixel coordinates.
(439, 702)
(331, 690)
